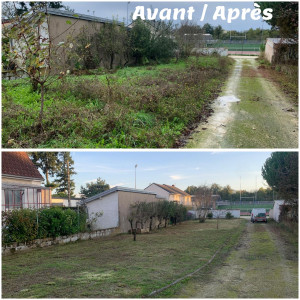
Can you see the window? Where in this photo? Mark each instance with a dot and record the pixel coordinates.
(13, 199)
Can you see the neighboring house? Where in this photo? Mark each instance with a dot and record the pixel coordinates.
(115, 206)
(22, 183)
(274, 213)
(274, 44)
(64, 26)
(171, 193)
(58, 201)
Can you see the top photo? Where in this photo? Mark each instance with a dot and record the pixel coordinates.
(202, 75)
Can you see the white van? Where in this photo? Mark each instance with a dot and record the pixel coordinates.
(258, 215)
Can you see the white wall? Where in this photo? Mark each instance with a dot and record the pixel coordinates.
(221, 213)
(275, 211)
(158, 190)
(109, 206)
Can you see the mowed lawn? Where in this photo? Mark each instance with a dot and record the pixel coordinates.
(117, 266)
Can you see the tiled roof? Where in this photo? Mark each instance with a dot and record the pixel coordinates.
(19, 164)
(172, 189)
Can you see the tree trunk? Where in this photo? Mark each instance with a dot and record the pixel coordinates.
(150, 226)
(69, 188)
(112, 61)
(166, 223)
(34, 85)
(134, 234)
(47, 177)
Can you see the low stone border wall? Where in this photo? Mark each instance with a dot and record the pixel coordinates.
(41, 243)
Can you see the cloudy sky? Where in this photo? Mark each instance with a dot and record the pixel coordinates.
(118, 10)
(171, 167)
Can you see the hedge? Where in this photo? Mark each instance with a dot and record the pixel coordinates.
(24, 225)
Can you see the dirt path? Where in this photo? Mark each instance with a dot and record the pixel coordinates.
(251, 113)
(260, 267)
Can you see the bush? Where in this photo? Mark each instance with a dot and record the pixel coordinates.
(229, 216)
(209, 215)
(24, 225)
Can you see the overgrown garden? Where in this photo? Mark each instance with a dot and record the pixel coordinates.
(90, 104)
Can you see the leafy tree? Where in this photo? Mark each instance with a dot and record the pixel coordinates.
(94, 188)
(207, 28)
(65, 183)
(218, 32)
(140, 40)
(22, 7)
(48, 162)
(285, 17)
(151, 40)
(112, 39)
(281, 173)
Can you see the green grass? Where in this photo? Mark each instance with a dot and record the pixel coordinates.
(117, 266)
(240, 47)
(136, 107)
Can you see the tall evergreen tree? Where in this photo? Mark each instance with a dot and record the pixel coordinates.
(48, 162)
(64, 179)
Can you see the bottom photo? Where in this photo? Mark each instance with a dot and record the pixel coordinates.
(149, 224)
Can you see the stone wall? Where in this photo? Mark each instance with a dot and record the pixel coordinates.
(41, 243)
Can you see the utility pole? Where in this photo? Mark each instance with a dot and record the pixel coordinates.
(240, 189)
(135, 176)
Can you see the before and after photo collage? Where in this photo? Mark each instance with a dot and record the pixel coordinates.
(149, 149)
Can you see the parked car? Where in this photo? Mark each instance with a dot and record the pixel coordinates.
(258, 215)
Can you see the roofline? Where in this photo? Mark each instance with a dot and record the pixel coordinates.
(68, 14)
(116, 189)
(23, 177)
(159, 185)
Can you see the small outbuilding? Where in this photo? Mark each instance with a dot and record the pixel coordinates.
(274, 213)
(114, 204)
(281, 50)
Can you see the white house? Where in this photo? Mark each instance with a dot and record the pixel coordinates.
(115, 206)
(22, 183)
(171, 193)
(274, 213)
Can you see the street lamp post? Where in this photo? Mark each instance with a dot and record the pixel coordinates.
(127, 13)
(135, 176)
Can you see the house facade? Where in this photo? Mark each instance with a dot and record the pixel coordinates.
(22, 183)
(114, 204)
(171, 193)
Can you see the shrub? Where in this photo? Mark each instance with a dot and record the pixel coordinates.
(18, 226)
(209, 215)
(24, 225)
(229, 215)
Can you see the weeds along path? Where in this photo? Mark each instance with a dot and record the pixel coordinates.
(251, 113)
(257, 268)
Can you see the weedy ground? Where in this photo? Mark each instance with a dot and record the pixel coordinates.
(117, 266)
(144, 107)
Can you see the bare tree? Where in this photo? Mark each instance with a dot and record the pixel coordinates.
(202, 202)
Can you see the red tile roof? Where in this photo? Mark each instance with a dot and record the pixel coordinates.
(19, 164)
(172, 189)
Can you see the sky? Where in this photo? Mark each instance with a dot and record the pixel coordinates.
(186, 168)
(118, 10)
